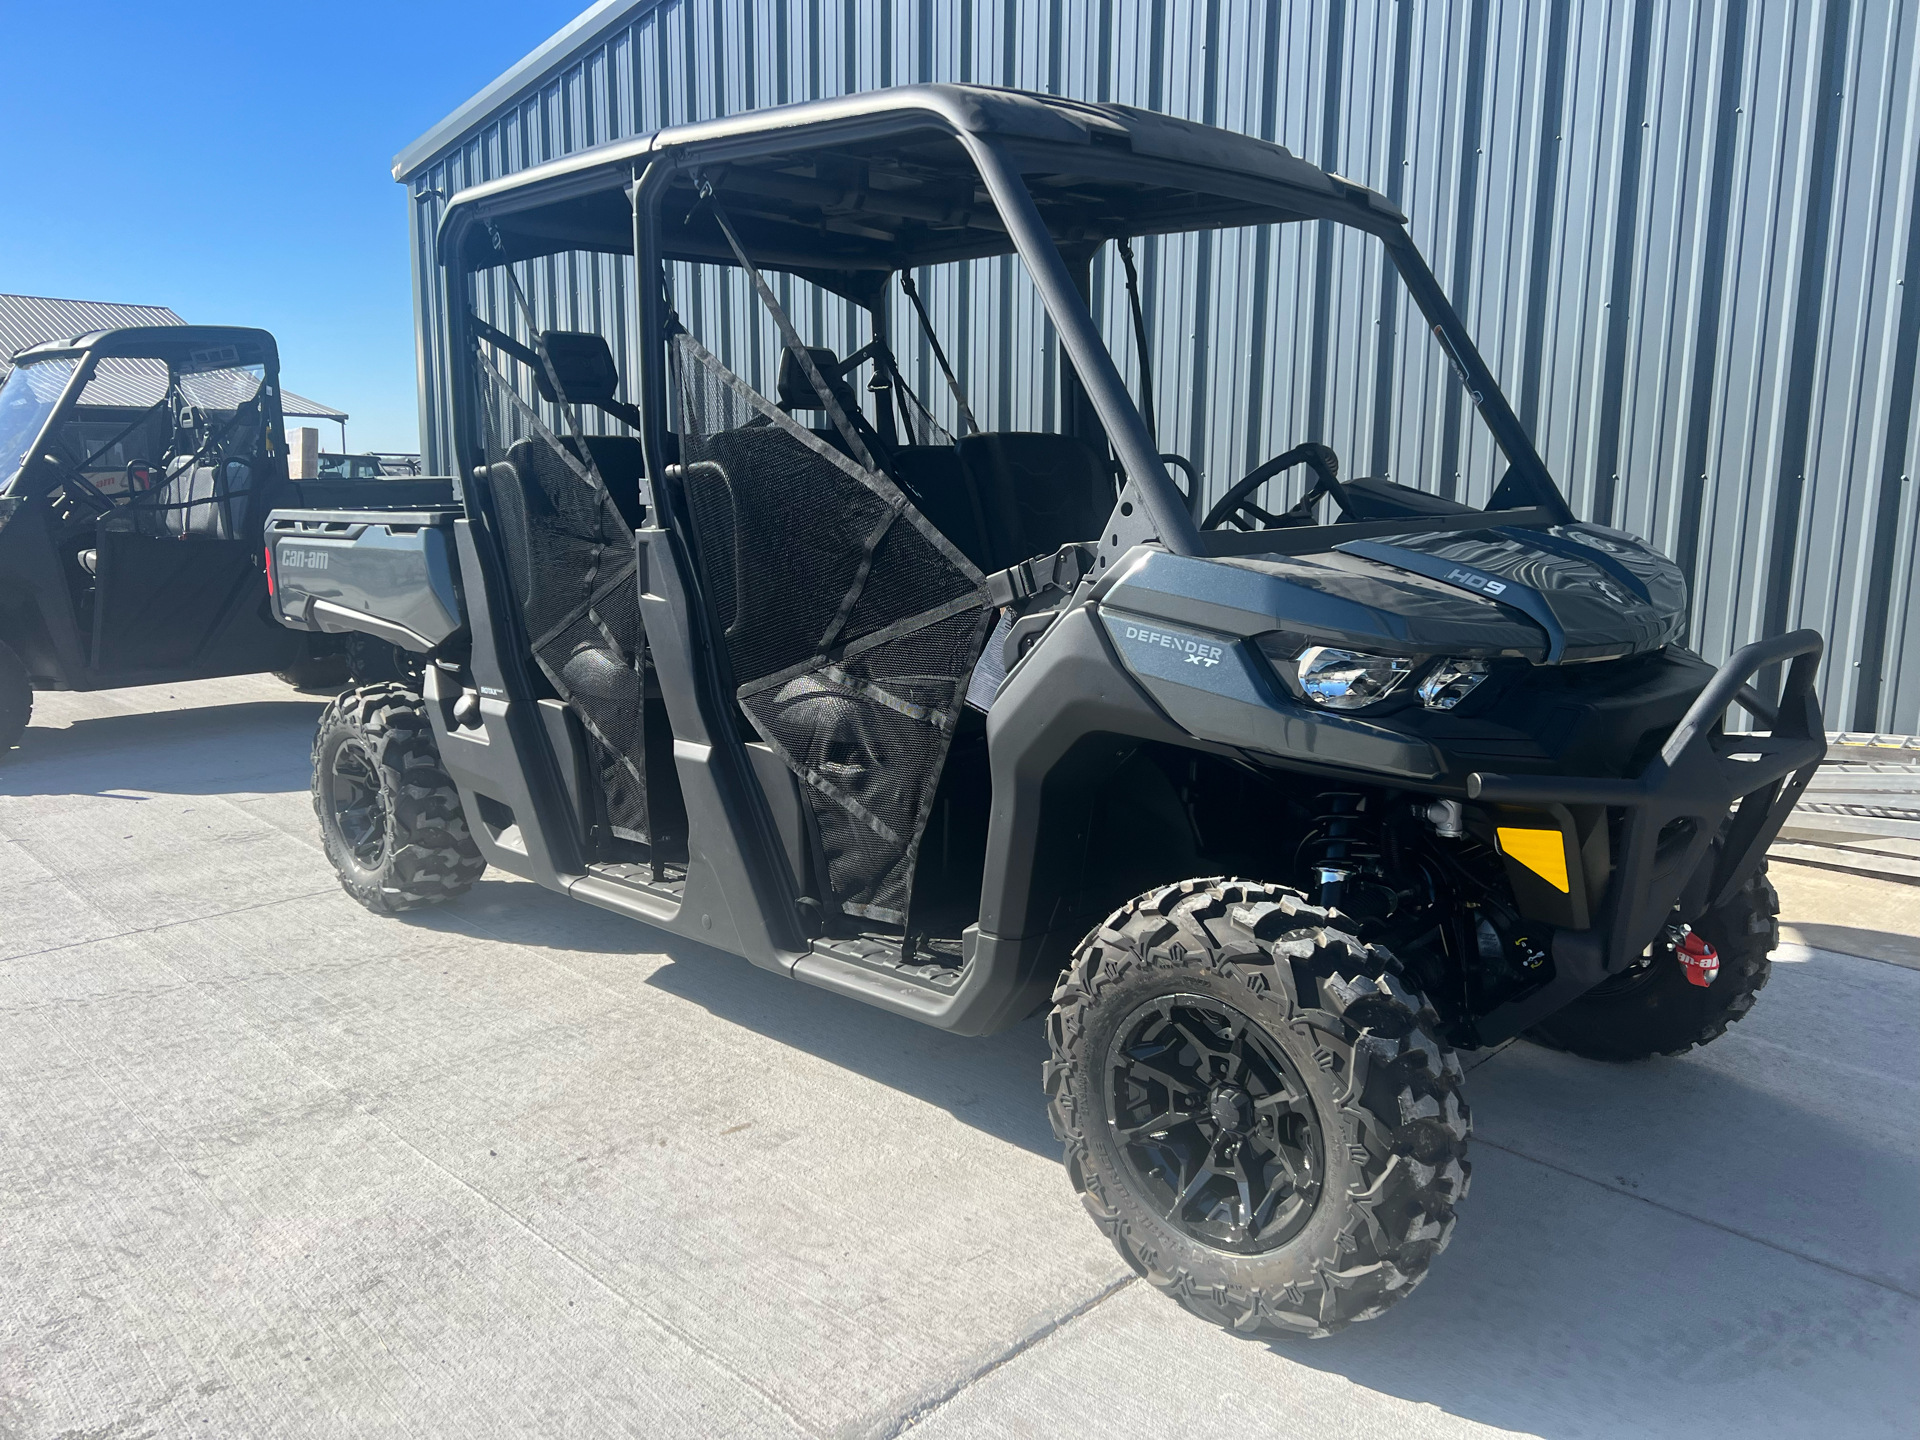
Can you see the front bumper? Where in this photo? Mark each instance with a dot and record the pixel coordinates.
(1694, 825)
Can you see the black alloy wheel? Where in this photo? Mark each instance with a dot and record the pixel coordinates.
(1257, 1108)
(1215, 1125)
(359, 809)
(389, 814)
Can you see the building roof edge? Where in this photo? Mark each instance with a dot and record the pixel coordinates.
(577, 35)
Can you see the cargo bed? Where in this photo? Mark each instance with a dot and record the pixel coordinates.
(385, 571)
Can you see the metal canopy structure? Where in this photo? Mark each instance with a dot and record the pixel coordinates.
(1120, 171)
(848, 191)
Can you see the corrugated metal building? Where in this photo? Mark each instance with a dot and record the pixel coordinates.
(1682, 232)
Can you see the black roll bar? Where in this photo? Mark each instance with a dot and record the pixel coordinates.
(1795, 741)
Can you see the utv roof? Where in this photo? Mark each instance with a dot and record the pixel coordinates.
(143, 380)
(191, 343)
(884, 180)
(128, 388)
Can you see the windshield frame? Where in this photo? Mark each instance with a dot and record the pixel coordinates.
(1528, 483)
(76, 382)
(181, 349)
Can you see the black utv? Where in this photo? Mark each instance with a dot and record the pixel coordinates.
(137, 467)
(1278, 804)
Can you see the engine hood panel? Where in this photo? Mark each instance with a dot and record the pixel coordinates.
(1598, 594)
(1573, 592)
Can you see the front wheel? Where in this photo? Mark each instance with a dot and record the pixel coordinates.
(16, 697)
(1257, 1109)
(1654, 1009)
(390, 817)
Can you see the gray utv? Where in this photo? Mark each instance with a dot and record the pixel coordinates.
(137, 467)
(1274, 806)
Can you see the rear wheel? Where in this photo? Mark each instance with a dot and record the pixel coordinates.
(316, 672)
(16, 697)
(1653, 1009)
(389, 816)
(377, 662)
(1256, 1108)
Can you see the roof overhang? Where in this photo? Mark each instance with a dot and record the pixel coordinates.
(1160, 175)
(582, 33)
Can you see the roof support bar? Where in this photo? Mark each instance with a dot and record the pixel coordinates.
(1527, 480)
(1125, 428)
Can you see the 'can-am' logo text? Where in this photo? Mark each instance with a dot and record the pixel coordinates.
(1198, 652)
(303, 559)
(1476, 582)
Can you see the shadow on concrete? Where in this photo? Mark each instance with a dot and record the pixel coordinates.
(991, 1082)
(1885, 945)
(1584, 1293)
(519, 912)
(1656, 1249)
(208, 751)
(1560, 1312)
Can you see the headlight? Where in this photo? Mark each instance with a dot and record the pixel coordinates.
(1450, 682)
(1347, 679)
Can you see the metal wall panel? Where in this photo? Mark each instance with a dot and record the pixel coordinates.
(1682, 232)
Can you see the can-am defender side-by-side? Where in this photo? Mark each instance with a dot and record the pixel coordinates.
(1278, 806)
(137, 467)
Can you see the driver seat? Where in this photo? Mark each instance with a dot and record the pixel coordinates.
(207, 501)
(196, 500)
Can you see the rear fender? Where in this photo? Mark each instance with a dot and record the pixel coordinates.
(390, 574)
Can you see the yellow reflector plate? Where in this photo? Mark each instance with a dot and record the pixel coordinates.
(1541, 851)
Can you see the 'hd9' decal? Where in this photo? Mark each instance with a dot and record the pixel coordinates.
(1473, 580)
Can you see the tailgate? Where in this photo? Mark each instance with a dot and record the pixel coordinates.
(388, 573)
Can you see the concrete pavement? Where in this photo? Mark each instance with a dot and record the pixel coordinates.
(270, 1165)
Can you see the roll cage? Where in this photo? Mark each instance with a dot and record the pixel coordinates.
(129, 529)
(185, 350)
(847, 192)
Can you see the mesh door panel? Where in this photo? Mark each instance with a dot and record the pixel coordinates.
(850, 623)
(571, 558)
(781, 563)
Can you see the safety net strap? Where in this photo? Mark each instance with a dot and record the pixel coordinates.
(851, 623)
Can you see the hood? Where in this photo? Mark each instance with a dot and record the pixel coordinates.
(1595, 593)
(1569, 593)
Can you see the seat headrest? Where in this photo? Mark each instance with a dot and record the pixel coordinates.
(796, 390)
(584, 365)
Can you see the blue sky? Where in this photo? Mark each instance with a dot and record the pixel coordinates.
(233, 161)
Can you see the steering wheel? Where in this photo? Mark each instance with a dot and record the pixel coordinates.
(1180, 462)
(78, 488)
(1237, 504)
